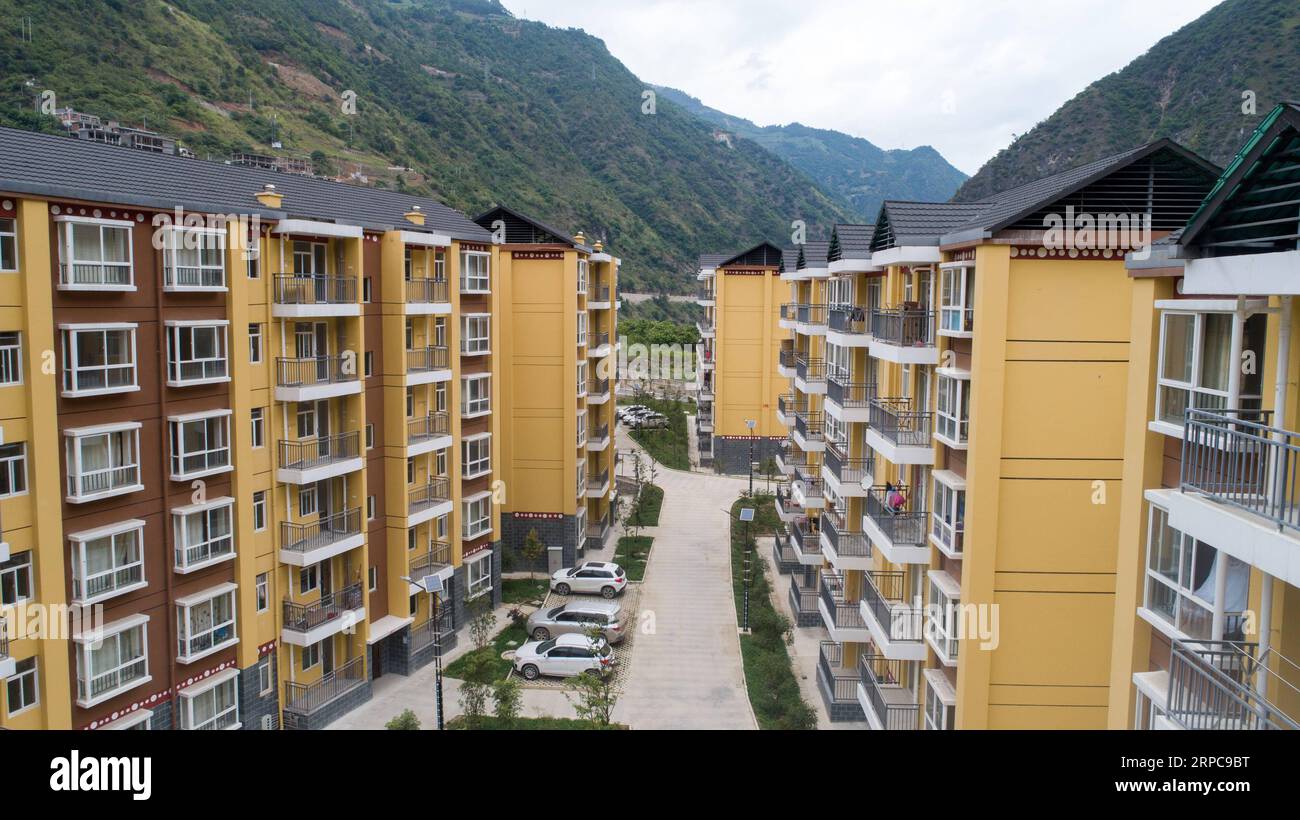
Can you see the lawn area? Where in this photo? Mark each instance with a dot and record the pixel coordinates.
(494, 667)
(769, 676)
(668, 445)
(523, 590)
(632, 554)
(646, 513)
(547, 724)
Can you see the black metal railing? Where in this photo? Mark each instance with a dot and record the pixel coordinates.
(315, 370)
(598, 293)
(96, 273)
(705, 327)
(306, 698)
(1212, 685)
(842, 682)
(443, 631)
(704, 294)
(787, 358)
(847, 470)
(811, 425)
(903, 527)
(4, 638)
(848, 320)
(434, 491)
(844, 539)
(811, 314)
(903, 327)
(883, 595)
(597, 339)
(597, 435)
(425, 291)
(330, 529)
(436, 557)
(882, 680)
(316, 452)
(788, 311)
(293, 289)
(850, 394)
(428, 426)
(598, 481)
(597, 387)
(596, 532)
(806, 537)
(1236, 459)
(803, 595)
(789, 405)
(430, 357)
(331, 606)
(901, 425)
(845, 612)
(810, 370)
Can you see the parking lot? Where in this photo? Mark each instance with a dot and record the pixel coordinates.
(622, 650)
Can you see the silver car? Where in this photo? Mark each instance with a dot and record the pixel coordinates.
(564, 657)
(593, 578)
(579, 618)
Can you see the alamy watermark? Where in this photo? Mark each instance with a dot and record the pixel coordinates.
(1076, 231)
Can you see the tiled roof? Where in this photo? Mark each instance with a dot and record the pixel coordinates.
(854, 240)
(712, 260)
(484, 220)
(814, 253)
(60, 166)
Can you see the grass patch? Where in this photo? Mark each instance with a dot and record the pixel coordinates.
(669, 445)
(523, 590)
(544, 724)
(632, 554)
(494, 667)
(646, 512)
(769, 676)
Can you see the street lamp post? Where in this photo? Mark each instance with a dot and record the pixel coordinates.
(751, 423)
(746, 516)
(432, 584)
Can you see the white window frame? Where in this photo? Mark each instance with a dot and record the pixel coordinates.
(12, 571)
(476, 455)
(73, 369)
(478, 575)
(211, 421)
(222, 634)
(476, 277)
(88, 643)
(476, 516)
(18, 678)
(937, 703)
(216, 546)
(227, 718)
(956, 299)
(255, 353)
(262, 588)
(582, 328)
(68, 259)
(1197, 394)
(257, 427)
(260, 508)
(8, 231)
(306, 493)
(476, 334)
(76, 440)
(11, 358)
(951, 394)
(948, 492)
(1183, 594)
(81, 543)
(210, 273)
(472, 407)
(13, 469)
(212, 369)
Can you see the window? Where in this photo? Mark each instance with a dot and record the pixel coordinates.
(265, 680)
(940, 715)
(95, 255)
(306, 501)
(200, 444)
(583, 269)
(440, 266)
(414, 602)
(476, 516)
(263, 593)
(368, 361)
(957, 300)
(16, 579)
(13, 469)
(480, 577)
(474, 272)
(1180, 582)
(112, 660)
(98, 359)
(476, 395)
(196, 354)
(370, 436)
(365, 289)
(410, 402)
(476, 456)
(412, 539)
(257, 417)
(205, 623)
(475, 334)
(410, 471)
(259, 510)
(370, 507)
(310, 656)
(8, 245)
(373, 578)
(253, 254)
(21, 688)
(948, 517)
(308, 579)
(194, 259)
(214, 706)
(406, 264)
(952, 411)
(203, 534)
(107, 562)
(582, 328)
(440, 462)
(11, 357)
(440, 397)
(103, 461)
(837, 362)
(1195, 349)
(255, 344)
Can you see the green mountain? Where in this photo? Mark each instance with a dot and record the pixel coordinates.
(456, 99)
(1188, 87)
(854, 171)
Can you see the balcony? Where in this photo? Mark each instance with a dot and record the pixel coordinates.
(904, 336)
(301, 700)
(599, 297)
(704, 297)
(900, 433)
(598, 484)
(806, 488)
(810, 320)
(307, 624)
(846, 476)
(785, 363)
(783, 553)
(443, 633)
(841, 614)
(96, 276)
(896, 625)
(838, 684)
(598, 345)
(789, 405)
(902, 535)
(427, 433)
(848, 326)
(427, 296)
(805, 539)
(7, 662)
(943, 617)
(1215, 685)
(428, 365)
(886, 703)
(704, 446)
(810, 375)
(316, 459)
(843, 547)
(316, 378)
(302, 545)
(428, 501)
(849, 401)
(789, 458)
(705, 329)
(596, 533)
(315, 296)
(704, 419)
(436, 560)
(788, 314)
(597, 391)
(809, 432)
(803, 599)
(91, 485)
(707, 359)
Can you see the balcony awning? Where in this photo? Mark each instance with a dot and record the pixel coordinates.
(386, 626)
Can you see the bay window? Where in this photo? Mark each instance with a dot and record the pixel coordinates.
(476, 395)
(952, 410)
(476, 456)
(103, 461)
(200, 444)
(107, 562)
(948, 513)
(475, 276)
(957, 300)
(95, 254)
(205, 623)
(1180, 582)
(98, 359)
(1195, 363)
(203, 533)
(212, 704)
(476, 516)
(194, 259)
(479, 576)
(196, 353)
(476, 334)
(112, 659)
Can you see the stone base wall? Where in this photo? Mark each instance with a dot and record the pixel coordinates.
(554, 532)
(731, 456)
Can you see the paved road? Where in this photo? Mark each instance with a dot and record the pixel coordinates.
(687, 673)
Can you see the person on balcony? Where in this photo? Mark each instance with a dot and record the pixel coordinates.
(895, 501)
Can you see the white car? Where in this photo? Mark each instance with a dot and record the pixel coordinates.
(564, 657)
(593, 578)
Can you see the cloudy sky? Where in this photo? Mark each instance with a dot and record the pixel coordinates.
(961, 75)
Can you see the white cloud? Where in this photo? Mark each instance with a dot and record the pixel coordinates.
(961, 76)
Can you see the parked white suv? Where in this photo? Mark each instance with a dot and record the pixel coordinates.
(592, 578)
(564, 657)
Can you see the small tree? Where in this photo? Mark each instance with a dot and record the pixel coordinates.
(507, 699)
(769, 470)
(532, 550)
(482, 623)
(474, 691)
(593, 696)
(406, 722)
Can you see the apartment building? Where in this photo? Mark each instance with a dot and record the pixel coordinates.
(1207, 623)
(558, 340)
(265, 403)
(971, 407)
(736, 388)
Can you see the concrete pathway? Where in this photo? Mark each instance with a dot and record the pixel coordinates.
(686, 670)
